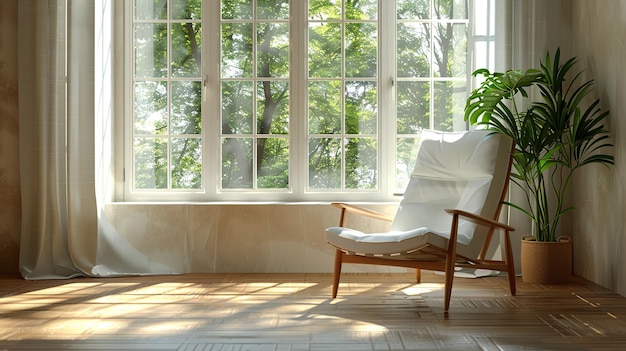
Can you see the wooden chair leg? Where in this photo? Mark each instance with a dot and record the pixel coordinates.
(450, 262)
(448, 286)
(337, 271)
(418, 275)
(510, 263)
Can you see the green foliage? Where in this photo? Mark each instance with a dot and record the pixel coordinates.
(324, 163)
(554, 135)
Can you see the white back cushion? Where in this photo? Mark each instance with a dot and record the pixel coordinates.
(452, 170)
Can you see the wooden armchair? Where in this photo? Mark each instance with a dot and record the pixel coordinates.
(448, 215)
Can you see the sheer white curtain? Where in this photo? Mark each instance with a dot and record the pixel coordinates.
(514, 34)
(535, 29)
(64, 230)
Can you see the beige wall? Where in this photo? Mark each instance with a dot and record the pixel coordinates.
(592, 30)
(10, 205)
(597, 36)
(255, 238)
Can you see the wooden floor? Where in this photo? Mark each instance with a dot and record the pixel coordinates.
(294, 312)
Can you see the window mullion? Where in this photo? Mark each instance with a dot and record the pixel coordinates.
(168, 111)
(298, 162)
(343, 137)
(255, 98)
(386, 100)
(211, 105)
(129, 38)
(431, 83)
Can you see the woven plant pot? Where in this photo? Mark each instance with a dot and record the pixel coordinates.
(546, 262)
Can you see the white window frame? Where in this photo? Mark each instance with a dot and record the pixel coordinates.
(298, 83)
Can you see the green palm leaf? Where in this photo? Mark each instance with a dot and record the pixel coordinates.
(553, 134)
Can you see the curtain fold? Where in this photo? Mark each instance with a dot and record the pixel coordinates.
(44, 249)
(65, 232)
(534, 29)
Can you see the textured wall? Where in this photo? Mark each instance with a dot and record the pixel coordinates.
(596, 36)
(10, 205)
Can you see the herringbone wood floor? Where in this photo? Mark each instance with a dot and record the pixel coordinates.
(295, 312)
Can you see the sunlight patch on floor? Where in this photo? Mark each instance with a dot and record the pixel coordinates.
(419, 289)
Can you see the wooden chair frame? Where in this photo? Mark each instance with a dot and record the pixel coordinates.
(443, 259)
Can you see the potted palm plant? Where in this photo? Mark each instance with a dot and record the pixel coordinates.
(555, 134)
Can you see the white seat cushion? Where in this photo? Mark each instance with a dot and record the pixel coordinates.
(354, 241)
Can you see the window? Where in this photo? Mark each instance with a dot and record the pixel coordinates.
(255, 95)
(166, 90)
(342, 95)
(288, 100)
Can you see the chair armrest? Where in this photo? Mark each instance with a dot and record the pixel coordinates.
(480, 219)
(362, 211)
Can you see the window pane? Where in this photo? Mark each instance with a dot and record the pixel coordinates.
(413, 52)
(274, 163)
(272, 107)
(186, 102)
(413, 9)
(165, 105)
(361, 49)
(237, 163)
(236, 53)
(324, 50)
(361, 107)
(237, 107)
(273, 9)
(449, 104)
(150, 163)
(450, 50)
(186, 9)
(413, 107)
(273, 49)
(256, 49)
(324, 9)
(431, 45)
(406, 154)
(186, 49)
(150, 9)
(186, 163)
(324, 163)
(362, 10)
(150, 108)
(325, 107)
(236, 9)
(343, 94)
(450, 9)
(361, 163)
(150, 50)
(484, 20)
